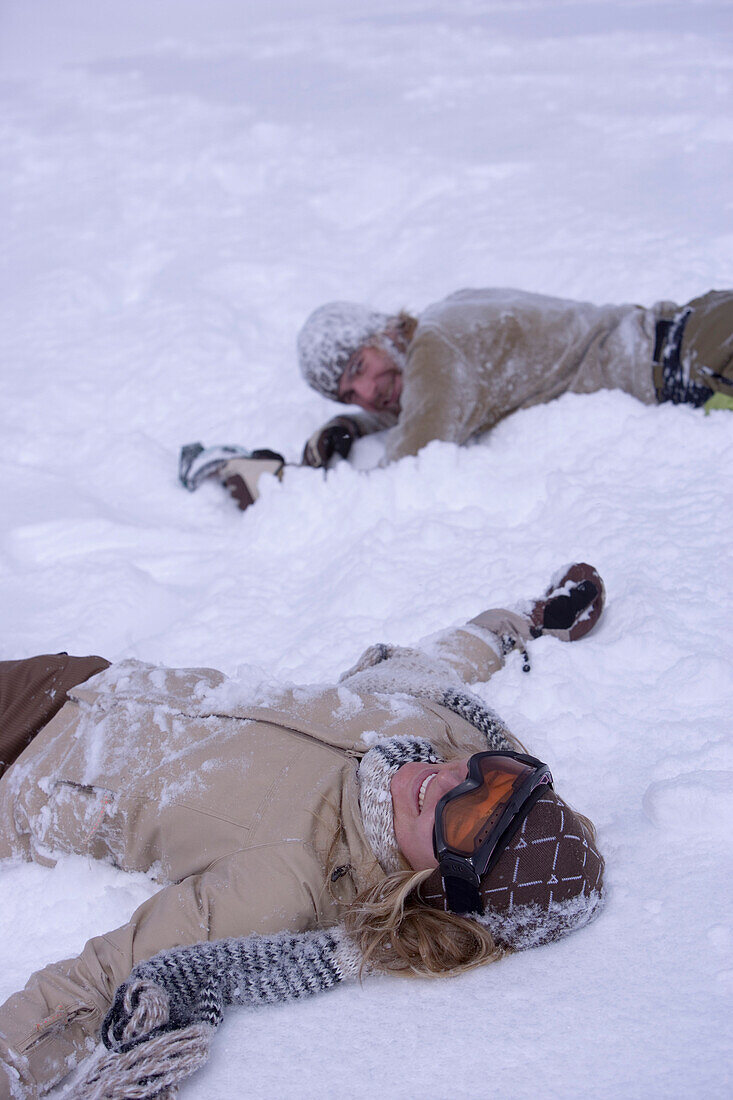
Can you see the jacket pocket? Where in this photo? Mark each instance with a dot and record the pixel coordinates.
(55, 1024)
(75, 817)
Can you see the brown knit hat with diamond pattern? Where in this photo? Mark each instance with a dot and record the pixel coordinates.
(547, 881)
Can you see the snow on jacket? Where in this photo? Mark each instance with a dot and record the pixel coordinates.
(242, 811)
(480, 355)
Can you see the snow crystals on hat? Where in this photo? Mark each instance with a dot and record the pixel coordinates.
(329, 338)
(547, 881)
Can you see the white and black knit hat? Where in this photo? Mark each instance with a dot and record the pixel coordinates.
(375, 792)
(329, 338)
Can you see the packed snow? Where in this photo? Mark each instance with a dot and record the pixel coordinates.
(183, 182)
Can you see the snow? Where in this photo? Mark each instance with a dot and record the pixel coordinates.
(183, 182)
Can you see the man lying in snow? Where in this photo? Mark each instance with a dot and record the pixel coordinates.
(478, 356)
(389, 822)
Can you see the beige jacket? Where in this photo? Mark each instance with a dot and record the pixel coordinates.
(240, 810)
(480, 355)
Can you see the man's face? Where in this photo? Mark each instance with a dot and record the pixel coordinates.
(416, 791)
(373, 380)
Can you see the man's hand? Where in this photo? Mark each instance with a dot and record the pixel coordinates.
(336, 437)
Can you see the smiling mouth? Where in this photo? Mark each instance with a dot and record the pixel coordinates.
(423, 788)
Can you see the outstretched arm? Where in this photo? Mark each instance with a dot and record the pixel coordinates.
(163, 1016)
(47, 1028)
(467, 654)
(442, 664)
(568, 610)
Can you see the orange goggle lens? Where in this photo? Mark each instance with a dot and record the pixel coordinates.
(468, 816)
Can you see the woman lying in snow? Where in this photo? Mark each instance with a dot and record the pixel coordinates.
(476, 357)
(390, 822)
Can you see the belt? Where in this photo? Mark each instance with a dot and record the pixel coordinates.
(668, 338)
(672, 380)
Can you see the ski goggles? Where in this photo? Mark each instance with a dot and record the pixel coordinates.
(476, 820)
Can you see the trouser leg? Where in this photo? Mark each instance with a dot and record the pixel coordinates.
(707, 343)
(32, 691)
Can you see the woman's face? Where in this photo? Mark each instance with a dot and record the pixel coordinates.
(416, 791)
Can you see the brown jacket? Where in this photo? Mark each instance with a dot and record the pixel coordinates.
(480, 355)
(241, 810)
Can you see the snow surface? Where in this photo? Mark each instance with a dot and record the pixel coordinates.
(183, 182)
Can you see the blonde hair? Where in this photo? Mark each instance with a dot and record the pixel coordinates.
(395, 930)
(398, 932)
(395, 337)
(402, 328)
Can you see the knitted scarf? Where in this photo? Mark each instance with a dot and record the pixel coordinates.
(159, 1028)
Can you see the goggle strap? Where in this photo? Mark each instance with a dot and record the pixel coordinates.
(514, 826)
(462, 896)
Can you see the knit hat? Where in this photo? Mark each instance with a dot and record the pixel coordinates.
(329, 338)
(375, 792)
(547, 882)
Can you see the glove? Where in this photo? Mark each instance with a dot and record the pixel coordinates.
(241, 475)
(197, 462)
(336, 437)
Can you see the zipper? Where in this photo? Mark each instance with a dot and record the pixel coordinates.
(57, 1022)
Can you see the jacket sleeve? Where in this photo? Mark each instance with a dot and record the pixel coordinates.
(462, 655)
(52, 1024)
(438, 672)
(440, 398)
